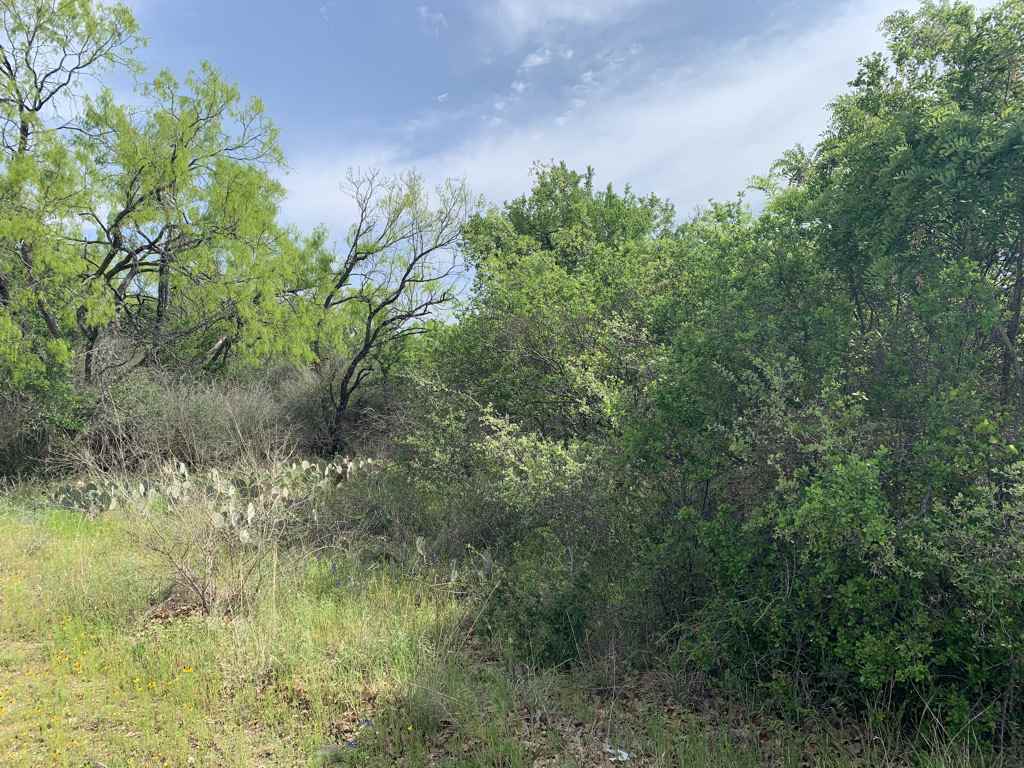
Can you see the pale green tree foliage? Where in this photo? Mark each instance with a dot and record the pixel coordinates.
(148, 234)
(132, 234)
(179, 246)
(46, 49)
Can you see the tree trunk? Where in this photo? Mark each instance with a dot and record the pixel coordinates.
(24, 130)
(163, 299)
(90, 353)
(338, 438)
(91, 335)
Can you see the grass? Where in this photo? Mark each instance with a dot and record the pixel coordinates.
(338, 662)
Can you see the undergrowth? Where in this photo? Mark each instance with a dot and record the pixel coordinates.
(342, 658)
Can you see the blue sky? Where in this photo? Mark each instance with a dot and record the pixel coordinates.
(685, 98)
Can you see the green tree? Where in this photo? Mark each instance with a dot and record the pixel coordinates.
(844, 374)
(180, 251)
(398, 273)
(918, 186)
(556, 332)
(46, 51)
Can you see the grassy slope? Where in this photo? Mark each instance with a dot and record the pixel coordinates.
(370, 662)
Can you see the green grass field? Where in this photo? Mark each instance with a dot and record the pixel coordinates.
(339, 662)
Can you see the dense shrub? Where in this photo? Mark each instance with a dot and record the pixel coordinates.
(153, 417)
(33, 426)
(849, 597)
(806, 573)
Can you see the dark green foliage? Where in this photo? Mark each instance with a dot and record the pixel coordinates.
(543, 607)
(802, 423)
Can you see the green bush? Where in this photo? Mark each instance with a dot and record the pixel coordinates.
(814, 567)
(845, 577)
(33, 425)
(541, 605)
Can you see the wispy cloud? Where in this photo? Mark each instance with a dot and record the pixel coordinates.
(516, 20)
(690, 133)
(326, 9)
(538, 58)
(432, 21)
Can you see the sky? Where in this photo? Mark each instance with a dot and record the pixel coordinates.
(684, 98)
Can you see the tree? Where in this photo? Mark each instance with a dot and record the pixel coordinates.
(47, 49)
(400, 270)
(557, 333)
(179, 236)
(153, 227)
(843, 382)
(918, 210)
(920, 180)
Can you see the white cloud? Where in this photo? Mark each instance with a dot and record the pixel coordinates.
(519, 87)
(689, 134)
(442, 98)
(538, 58)
(326, 8)
(516, 20)
(315, 187)
(433, 21)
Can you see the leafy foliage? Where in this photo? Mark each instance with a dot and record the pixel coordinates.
(798, 419)
(778, 447)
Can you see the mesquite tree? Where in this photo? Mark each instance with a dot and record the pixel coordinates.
(400, 269)
(180, 205)
(153, 225)
(47, 50)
